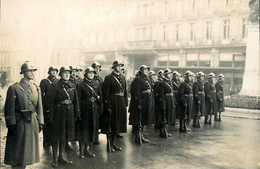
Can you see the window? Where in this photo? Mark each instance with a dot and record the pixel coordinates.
(145, 10)
(226, 29)
(227, 2)
(144, 37)
(204, 63)
(209, 3)
(225, 63)
(193, 4)
(192, 33)
(164, 33)
(244, 29)
(174, 63)
(165, 7)
(162, 63)
(192, 63)
(209, 30)
(177, 33)
(151, 33)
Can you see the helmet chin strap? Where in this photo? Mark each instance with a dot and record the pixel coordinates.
(26, 76)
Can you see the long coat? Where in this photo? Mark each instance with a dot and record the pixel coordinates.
(210, 95)
(176, 85)
(45, 86)
(63, 114)
(199, 96)
(220, 96)
(100, 82)
(141, 96)
(185, 96)
(90, 98)
(166, 96)
(23, 146)
(113, 85)
(157, 102)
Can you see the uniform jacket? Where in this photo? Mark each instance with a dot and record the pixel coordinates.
(199, 96)
(210, 95)
(220, 96)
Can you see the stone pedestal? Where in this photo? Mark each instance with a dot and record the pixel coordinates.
(251, 79)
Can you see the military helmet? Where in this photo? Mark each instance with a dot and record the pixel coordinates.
(188, 73)
(151, 73)
(175, 73)
(26, 67)
(96, 65)
(89, 69)
(117, 63)
(75, 68)
(200, 73)
(52, 68)
(63, 69)
(220, 76)
(167, 71)
(142, 67)
(160, 72)
(211, 75)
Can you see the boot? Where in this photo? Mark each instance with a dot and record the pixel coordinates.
(206, 119)
(195, 121)
(55, 154)
(115, 147)
(219, 116)
(138, 138)
(89, 153)
(199, 125)
(163, 133)
(62, 160)
(81, 150)
(216, 117)
(144, 140)
(186, 129)
(210, 117)
(181, 126)
(68, 147)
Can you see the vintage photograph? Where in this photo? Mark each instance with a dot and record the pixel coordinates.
(111, 84)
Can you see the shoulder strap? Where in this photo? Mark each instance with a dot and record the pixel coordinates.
(92, 89)
(117, 81)
(18, 85)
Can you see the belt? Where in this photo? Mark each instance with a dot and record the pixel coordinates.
(119, 94)
(147, 91)
(169, 94)
(202, 93)
(220, 92)
(213, 91)
(175, 91)
(188, 95)
(68, 101)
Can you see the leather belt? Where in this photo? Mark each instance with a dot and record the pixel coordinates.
(68, 101)
(175, 91)
(119, 94)
(147, 91)
(202, 93)
(220, 92)
(188, 95)
(169, 94)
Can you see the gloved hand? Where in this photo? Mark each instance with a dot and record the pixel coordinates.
(12, 129)
(41, 126)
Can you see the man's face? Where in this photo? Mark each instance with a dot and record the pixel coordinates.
(118, 68)
(73, 73)
(154, 77)
(53, 73)
(65, 75)
(90, 75)
(97, 70)
(190, 77)
(222, 79)
(78, 73)
(146, 72)
(201, 78)
(29, 74)
(169, 75)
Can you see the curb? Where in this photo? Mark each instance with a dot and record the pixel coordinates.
(241, 110)
(241, 117)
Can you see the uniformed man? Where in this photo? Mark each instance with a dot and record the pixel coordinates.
(156, 99)
(115, 102)
(167, 103)
(185, 96)
(75, 74)
(97, 68)
(141, 108)
(220, 96)
(90, 98)
(210, 98)
(45, 85)
(63, 106)
(176, 83)
(199, 99)
(24, 120)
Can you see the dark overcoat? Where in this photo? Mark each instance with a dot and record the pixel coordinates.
(22, 147)
(63, 115)
(45, 86)
(90, 98)
(199, 96)
(141, 96)
(185, 96)
(166, 96)
(113, 85)
(210, 95)
(176, 85)
(157, 105)
(220, 96)
(100, 82)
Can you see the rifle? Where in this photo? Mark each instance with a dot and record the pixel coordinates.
(198, 115)
(108, 134)
(138, 136)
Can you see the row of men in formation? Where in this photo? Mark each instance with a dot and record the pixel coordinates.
(74, 109)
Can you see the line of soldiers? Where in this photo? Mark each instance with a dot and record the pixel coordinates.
(73, 109)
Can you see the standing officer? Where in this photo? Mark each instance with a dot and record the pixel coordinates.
(75, 74)
(167, 99)
(142, 104)
(210, 98)
(156, 99)
(115, 101)
(220, 96)
(24, 120)
(64, 109)
(199, 99)
(185, 96)
(45, 85)
(90, 98)
(176, 84)
(97, 68)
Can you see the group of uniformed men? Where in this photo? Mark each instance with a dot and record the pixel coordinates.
(73, 109)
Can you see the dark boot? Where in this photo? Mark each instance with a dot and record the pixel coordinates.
(210, 117)
(138, 137)
(186, 129)
(115, 147)
(62, 159)
(88, 152)
(144, 140)
(195, 121)
(206, 119)
(181, 125)
(55, 154)
(68, 147)
(18, 166)
(163, 133)
(219, 116)
(81, 150)
(216, 117)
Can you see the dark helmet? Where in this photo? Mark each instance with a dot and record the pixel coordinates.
(96, 65)
(88, 70)
(151, 73)
(26, 67)
(189, 73)
(142, 67)
(52, 68)
(160, 72)
(167, 71)
(220, 76)
(63, 69)
(175, 73)
(117, 63)
(199, 74)
(211, 75)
